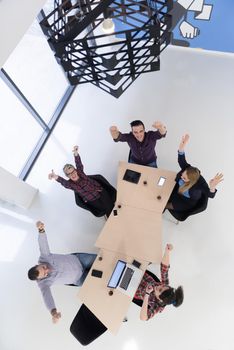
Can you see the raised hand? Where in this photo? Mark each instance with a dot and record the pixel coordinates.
(114, 131)
(160, 127)
(40, 225)
(157, 124)
(75, 150)
(169, 246)
(215, 181)
(183, 142)
(52, 175)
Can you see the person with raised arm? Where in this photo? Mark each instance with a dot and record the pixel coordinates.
(142, 143)
(153, 295)
(93, 194)
(190, 184)
(57, 269)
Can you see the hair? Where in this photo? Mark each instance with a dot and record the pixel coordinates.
(193, 176)
(137, 123)
(33, 273)
(66, 167)
(172, 296)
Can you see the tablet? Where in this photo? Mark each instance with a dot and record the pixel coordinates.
(132, 176)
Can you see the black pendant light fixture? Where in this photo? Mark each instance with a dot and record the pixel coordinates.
(108, 43)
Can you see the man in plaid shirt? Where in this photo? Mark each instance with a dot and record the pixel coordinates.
(88, 189)
(153, 295)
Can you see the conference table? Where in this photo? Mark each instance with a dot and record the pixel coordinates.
(134, 227)
(133, 231)
(109, 308)
(146, 194)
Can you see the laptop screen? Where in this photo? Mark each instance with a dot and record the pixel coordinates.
(116, 274)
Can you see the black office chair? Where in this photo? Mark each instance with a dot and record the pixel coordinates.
(183, 215)
(106, 185)
(86, 327)
(139, 302)
(129, 155)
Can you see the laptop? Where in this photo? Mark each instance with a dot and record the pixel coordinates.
(125, 277)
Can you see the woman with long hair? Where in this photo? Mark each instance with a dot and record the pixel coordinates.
(190, 185)
(153, 295)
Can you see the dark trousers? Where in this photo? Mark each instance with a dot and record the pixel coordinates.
(104, 203)
(139, 302)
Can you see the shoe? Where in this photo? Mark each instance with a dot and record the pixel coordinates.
(125, 319)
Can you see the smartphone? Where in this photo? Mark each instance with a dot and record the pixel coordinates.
(161, 181)
(136, 263)
(96, 273)
(115, 212)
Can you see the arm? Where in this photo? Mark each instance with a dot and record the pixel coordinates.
(181, 155)
(42, 239)
(165, 264)
(144, 308)
(65, 183)
(52, 175)
(215, 181)
(166, 257)
(160, 127)
(79, 165)
(183, 142)
(49, 300)
(114, 132)
(148, 312)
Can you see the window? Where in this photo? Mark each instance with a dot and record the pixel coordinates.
(33, 94)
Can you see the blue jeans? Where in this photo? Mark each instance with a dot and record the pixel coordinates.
(86, 261)
(152, 164)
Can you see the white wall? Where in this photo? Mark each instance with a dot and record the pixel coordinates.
(15, 191)
(15, 18)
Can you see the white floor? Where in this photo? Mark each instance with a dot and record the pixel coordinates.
(192, 93)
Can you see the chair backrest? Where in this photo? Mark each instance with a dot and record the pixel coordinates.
(129, 155)
(86, 327)
(199, 207)
(105, 184)
(80, 202)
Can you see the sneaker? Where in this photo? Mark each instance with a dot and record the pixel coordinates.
(125, 319)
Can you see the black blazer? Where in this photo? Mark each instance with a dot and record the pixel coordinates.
(181, 202)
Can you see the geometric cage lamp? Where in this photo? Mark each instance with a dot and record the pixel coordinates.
(108, 43)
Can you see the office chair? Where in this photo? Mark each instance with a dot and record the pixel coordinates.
(86, 327)
(106, 185)
(183, 215)
(129, 156)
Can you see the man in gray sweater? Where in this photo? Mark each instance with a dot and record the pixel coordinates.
(57, 269)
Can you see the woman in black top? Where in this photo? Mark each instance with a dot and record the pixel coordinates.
(190, 185)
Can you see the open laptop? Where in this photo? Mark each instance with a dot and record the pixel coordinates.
(125, 277)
